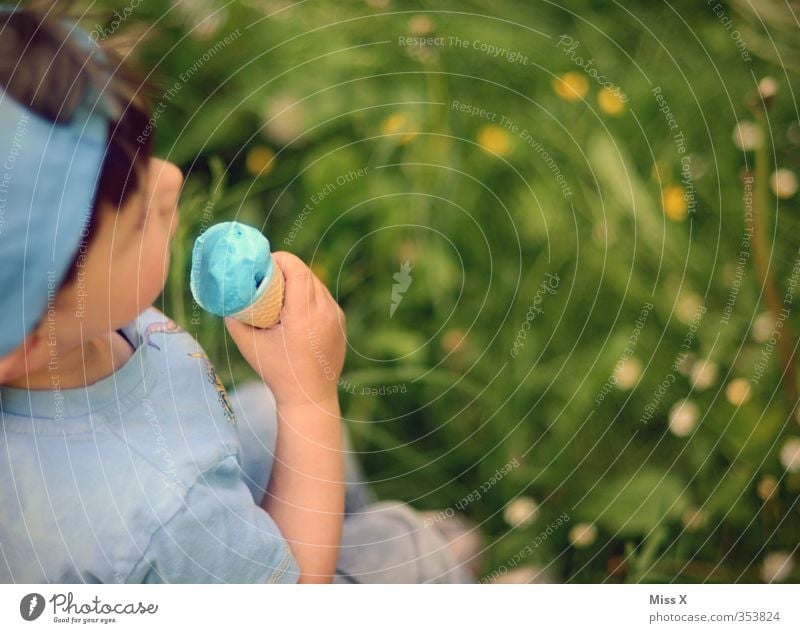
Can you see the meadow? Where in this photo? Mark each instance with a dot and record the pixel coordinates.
(565, 240)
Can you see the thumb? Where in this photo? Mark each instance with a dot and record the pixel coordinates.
(299, 282)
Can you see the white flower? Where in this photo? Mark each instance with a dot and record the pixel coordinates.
(768, 87)
(627, 372)
(688, 305)
(694, 519)
(776, 566)
(762, 327)
(685, 363)
(704, 374)
(783, 183)
(421, 25)
(521, 512)
(790, 455)
(698, 166)
(747, 136)
(738, 391)
(767, 487)
(203, 18)
(683, 417)
(793, 133)
(582, 534)
(284, 119)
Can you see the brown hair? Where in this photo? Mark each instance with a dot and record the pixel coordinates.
(49, 70)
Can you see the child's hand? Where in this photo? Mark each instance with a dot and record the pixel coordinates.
(302, 357)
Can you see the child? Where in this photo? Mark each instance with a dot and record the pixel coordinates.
(122, 458)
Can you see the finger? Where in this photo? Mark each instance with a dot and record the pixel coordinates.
(239, 331)
(321, 291)
(300, 290)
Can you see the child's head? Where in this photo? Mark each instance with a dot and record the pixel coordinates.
(115, 263)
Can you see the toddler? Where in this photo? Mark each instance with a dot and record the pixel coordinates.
(122, 457)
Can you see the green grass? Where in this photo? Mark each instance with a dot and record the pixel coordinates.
(482, 232)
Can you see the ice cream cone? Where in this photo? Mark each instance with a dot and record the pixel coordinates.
(266, 310)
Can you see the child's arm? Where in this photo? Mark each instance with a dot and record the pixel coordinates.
(301, 360)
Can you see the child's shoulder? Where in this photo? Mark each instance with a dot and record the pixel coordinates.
(185, 389)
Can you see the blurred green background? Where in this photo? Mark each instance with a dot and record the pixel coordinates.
(668, 444)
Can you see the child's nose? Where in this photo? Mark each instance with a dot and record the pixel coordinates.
(167, 181)
(167, 176)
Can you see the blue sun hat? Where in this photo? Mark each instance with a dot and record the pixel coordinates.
(48, 179)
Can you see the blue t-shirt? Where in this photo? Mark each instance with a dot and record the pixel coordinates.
(137, 478)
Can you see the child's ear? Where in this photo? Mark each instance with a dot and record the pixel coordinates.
(13, 365)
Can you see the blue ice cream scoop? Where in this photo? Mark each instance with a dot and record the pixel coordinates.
(231, 267)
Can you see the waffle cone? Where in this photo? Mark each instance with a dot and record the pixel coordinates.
(266, 311)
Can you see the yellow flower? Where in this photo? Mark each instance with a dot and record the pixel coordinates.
(495, 139)
(571, 86)
(399, 126)
(611, 102)
(673, 198)
(260, 160)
